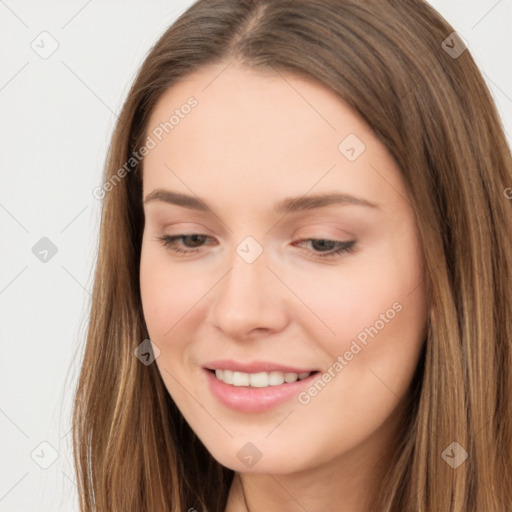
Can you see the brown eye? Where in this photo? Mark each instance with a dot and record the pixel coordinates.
(191, 242)
(329, 248)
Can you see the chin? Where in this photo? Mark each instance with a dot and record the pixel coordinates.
(247, 457)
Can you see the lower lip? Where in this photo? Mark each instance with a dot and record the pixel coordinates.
(250, 399)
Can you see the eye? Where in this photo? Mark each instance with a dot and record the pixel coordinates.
(195, 239)
(322, 247)
(329, 248)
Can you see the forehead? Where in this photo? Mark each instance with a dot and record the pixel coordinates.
(234, 101)
(262, 134)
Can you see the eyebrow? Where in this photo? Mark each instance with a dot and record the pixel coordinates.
(290, 204)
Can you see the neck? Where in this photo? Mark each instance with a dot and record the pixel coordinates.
(345, 484)
(320, 489)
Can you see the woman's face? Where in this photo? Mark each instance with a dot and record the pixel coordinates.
(261, 293)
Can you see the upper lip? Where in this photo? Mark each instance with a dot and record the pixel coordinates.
(254, 366)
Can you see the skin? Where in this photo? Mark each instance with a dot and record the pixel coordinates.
(253, 139)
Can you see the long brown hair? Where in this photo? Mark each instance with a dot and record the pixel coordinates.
(432, 110)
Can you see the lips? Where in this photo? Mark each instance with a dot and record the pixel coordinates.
(256, 386)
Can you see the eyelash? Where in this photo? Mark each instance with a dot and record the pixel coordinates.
(343, 247)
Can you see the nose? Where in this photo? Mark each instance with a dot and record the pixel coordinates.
(250, 299)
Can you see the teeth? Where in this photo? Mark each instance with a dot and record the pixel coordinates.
(258, 380)
(275, 378)
(228, 376)
(240, 379)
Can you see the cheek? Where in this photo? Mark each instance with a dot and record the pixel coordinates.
(174, 300)
(167, 291)
(168, 295)
(350, 301)
(379, 305)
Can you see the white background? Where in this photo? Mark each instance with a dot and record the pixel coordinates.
(57, 117)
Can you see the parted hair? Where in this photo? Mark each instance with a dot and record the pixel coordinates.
(433, 112)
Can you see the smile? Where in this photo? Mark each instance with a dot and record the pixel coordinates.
(255, 387)
(260, 379)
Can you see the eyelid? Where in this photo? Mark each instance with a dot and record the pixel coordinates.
(322, 229)
(191, 228)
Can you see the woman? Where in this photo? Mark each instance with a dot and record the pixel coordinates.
(302, 298)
